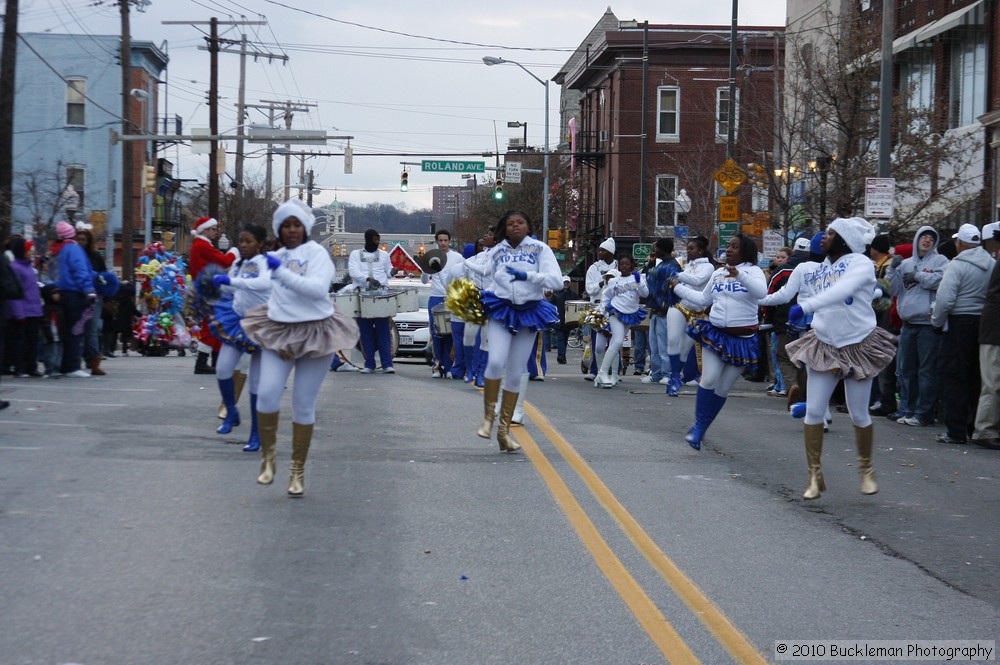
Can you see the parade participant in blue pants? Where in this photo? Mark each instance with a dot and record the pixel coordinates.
(370, 269)
(475, 336)
(442, 344)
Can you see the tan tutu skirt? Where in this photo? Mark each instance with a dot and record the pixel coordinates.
(860, 361)
(306, 339)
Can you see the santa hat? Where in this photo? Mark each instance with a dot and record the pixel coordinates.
(855, 231)
(293, 208)
(204, 223)
(608, 245)
(64, 231)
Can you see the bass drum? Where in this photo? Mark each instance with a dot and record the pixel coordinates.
(356, 356)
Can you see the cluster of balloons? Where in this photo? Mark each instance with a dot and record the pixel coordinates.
(162, 281)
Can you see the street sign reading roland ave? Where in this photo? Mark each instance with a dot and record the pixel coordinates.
(446, 166)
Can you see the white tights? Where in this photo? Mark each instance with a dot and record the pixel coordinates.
(819, 388)
(508, 353)
(679, 343)
(230, 358)
(716, 375)
(309, 375)
(614, 345)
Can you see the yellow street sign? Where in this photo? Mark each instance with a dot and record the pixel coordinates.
(729, 208)
(730, 176)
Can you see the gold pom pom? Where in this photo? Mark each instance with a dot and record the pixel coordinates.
(594, 318)
(463, 300)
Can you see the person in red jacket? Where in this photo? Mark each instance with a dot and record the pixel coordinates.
(203, 253)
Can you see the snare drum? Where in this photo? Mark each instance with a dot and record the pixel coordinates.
(377, 304)
(442, 320)
(406, 300)
(574, 308)
(347, 304)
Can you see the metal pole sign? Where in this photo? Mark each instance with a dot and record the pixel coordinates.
(879, 196)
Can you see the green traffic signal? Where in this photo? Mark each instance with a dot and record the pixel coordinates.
(404, 182)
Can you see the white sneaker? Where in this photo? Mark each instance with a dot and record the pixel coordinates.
(367, 370)
(435, 374)
(647, 379)
(78, 374)
(389, 370)
(665, 380)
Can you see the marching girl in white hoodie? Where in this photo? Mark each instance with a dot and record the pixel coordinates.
(522, 269)
(298, 329)
(844, 343)
(696, 273)
(729, 337)
(249, 282)
(620, 300)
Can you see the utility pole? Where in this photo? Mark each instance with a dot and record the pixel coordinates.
(213, 103)
(8, 62)
(290, 109)
(128, 154)
(241, 105)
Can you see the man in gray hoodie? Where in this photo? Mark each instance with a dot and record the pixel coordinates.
(956, 316)
(914, 283)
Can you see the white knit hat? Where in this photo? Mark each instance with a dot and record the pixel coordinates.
(293, 208)
(608, 245)
(855, 231)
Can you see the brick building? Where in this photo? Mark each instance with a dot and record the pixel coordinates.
(644, 162)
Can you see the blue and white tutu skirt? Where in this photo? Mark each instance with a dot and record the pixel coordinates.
(537, 314)
(633, 319)
(736, 351)
(224, 323)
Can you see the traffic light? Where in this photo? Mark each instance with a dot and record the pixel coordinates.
(167, 237)
(498, 190)
(404, 182)
(149, 178)
(555, 239)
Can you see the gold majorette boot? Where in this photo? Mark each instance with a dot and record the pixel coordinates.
(491, 390)
(507, 403)
(267, 429)
(814, 450)
(863, 437)
(301, 438)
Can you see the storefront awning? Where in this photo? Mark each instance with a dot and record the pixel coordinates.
(971, 15)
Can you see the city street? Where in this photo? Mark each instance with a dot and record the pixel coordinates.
(130, 532)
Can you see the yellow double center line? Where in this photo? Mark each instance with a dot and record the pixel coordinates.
(663, 634)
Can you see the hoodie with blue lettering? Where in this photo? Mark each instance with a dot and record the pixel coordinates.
(915, 281)
(531, 256)
(841, 300)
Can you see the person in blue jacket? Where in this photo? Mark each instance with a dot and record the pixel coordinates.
(71, 271)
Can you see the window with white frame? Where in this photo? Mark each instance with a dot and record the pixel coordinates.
(75, 102)
(666, 200)
(967, 98)
(722, 112)
(668, 114)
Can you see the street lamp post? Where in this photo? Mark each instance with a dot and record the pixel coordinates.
(492, 60)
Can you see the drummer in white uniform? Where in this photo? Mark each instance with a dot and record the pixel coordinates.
(370, 269)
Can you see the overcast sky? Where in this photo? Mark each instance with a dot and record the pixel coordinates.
(398, 76)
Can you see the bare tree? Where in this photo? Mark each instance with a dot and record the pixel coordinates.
(40, 192)
(831, 117)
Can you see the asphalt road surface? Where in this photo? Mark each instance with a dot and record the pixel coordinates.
(131, 533)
